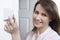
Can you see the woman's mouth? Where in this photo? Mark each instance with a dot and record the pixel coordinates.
(38, 22)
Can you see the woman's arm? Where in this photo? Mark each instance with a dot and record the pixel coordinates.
(12, 28)
(16, 36)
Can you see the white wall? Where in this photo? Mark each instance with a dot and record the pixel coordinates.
(7, 8)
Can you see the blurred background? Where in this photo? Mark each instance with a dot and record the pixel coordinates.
(22, 9)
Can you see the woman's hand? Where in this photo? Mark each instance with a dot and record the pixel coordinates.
(12, 28)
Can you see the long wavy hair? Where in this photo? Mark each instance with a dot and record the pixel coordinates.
(52, 10)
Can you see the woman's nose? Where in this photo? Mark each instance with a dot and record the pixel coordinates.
(38, 17)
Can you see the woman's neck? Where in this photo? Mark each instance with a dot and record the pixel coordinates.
(41, 30)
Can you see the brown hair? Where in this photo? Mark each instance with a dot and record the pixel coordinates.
(52, 11)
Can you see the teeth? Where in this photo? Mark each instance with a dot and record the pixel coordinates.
(39, 22)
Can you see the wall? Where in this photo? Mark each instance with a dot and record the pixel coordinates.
(7, 8)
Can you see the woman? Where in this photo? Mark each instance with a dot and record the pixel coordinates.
(45, 20)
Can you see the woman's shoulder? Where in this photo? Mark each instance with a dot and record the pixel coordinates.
(56, 36)
(53, 35)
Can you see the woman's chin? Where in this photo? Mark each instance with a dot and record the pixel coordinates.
(38, 26)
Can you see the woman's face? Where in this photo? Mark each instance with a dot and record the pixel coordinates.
(40, 17)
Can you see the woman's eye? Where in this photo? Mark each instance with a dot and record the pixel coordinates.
(36, 12)
(44, 14)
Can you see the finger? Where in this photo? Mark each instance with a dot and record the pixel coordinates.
(6, 20)
(11, 22)
(14, 18)
(8, 23)
(7, 28)
(11, 28)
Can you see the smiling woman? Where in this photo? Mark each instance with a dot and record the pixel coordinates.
(46, 22)
(50, 8)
